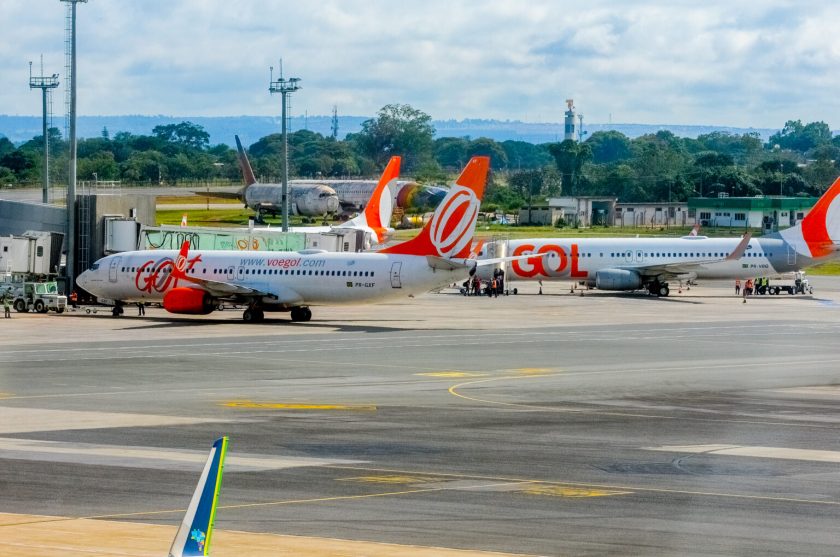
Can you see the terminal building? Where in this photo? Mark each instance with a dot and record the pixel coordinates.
(767, 213)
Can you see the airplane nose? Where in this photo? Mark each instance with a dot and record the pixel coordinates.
(83, 280)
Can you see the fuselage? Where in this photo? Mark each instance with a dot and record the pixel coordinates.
(291, 279)
(580, 259)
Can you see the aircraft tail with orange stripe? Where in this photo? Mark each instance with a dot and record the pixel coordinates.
(450, 231)
(376, 216)
(818, 235)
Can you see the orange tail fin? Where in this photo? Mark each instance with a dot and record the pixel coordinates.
(821, 226)
(380, 207)
(450, 231)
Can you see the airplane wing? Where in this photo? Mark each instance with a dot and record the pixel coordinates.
(222, 289)
(219, 289)
(689, 267)
(469, 263)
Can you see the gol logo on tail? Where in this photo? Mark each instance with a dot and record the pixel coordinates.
(450, 230)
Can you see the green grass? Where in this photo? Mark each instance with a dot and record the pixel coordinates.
(830, 268)
(228, 218)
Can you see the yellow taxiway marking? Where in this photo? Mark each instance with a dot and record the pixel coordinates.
(390, 479)
(510, 480)
(453, 390)
(6, 395)
(451, 374)
(298, 406)
(572, 492)
(533, 370)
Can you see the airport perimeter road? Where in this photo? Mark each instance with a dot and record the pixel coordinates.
(549, 425)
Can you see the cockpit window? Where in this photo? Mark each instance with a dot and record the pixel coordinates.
(94, 267)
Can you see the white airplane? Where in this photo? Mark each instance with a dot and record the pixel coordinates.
(195, 533)
(650, 263)
(196, 282)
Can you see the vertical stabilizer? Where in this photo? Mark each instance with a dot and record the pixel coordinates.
(380, 206)
(247, 174)
(821, 226)
(193, 536)
(450, 231)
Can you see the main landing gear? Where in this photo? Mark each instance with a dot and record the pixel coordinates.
(117, 311)
(301, 313)
(253, 315)
(660, 289)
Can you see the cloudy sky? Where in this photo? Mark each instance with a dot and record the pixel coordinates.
(736, 63)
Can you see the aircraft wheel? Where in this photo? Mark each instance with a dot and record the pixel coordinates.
(301, 313)
(664, 290)
(117, 311)
(515, 291)
(253, 315)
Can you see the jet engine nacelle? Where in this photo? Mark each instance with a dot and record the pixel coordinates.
(617, 279)
(188, 300)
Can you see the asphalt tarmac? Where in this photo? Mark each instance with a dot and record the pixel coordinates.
(555, 424)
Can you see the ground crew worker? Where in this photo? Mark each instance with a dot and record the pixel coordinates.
(74, 298)
(7, 305)
(737, 286)
(141, 309)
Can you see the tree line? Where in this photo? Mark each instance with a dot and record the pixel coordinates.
(799, 160)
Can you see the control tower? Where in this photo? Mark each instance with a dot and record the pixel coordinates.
(570, 127)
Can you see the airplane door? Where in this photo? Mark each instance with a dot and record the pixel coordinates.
(240, 273)
(395, 274)
(791, 255)
(112, 271)
(229, 273)
(640, 256)
(628, 256)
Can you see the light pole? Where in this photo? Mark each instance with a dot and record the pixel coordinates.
(44, 83)
(71, 174)
(285, 87)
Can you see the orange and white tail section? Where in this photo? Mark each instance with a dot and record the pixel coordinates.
(380, 207)
(818, 235)
(247, 174)
(450, 231)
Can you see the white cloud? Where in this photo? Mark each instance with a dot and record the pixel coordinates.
(738, 63)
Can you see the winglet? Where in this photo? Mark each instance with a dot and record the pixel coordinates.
(380, 207)
(194, 534)
(449, 233)
(695, 229)
(180, 265)
(247, 174)
(739, 250)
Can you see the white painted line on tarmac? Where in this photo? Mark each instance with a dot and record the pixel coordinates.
(149, 457)
(28, 420)
(759, 452)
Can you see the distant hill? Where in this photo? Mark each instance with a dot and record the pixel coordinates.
(251, 128)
